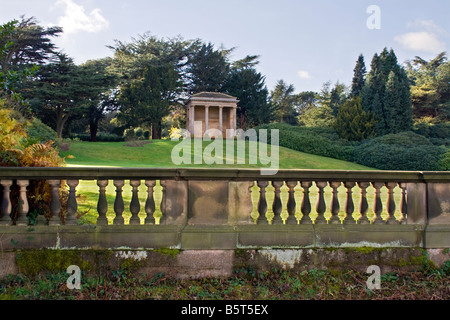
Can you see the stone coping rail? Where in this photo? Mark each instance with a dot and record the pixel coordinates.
(206, 208)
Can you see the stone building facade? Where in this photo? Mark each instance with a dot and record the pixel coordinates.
(211, 110)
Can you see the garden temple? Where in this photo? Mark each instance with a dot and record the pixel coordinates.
(211, 110)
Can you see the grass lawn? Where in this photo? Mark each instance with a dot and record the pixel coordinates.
(158, 154)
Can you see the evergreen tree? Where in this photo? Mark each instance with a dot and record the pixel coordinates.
(359, 74)
(430, 89)
(27, 44)
(337, 97)
(284, 100)
(207, 69)
(398, 104)
(57, 93)
(392, 110)
(248, 86)
(352, 122)
(100, 94)
(147, 99)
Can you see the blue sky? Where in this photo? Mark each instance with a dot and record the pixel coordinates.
(305, 43)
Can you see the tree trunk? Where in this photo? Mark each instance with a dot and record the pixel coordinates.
(93, 129)
(156, 130)
(242, 121)
(61, 119)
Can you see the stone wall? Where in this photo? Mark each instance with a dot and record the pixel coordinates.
(218, 263)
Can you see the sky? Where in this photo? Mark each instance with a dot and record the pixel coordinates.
(304, 43)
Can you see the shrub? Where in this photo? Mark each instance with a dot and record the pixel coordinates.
(320, 141)
(38, 132)
(438, 134)
(401, 151)
(101, 137)
(139, 133)
(444, 161)
(129, 134)
(16, 150)
(352, 122)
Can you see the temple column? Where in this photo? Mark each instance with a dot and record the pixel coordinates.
(234, 119)
(206, 117)
(192, 119)
(220, 119)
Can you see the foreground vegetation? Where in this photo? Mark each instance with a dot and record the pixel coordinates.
(248, 284)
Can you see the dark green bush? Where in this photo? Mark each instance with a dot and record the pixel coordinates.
(39, 132)
(101, 137)
(401, 151)
(438, 134)
(319, 141)
(139, 133)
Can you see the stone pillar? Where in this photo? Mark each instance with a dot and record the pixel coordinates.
(234, 119)
(206, 118)
(416, 203)
(220, 119)
(192, 119)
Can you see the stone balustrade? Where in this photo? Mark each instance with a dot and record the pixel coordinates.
(235, 208)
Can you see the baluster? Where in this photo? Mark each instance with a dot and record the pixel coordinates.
(403, 206)
(270, 195)
(254, 197)
(159, 195)
(320, 206)
(135, 206)
(72, 205)
(262, 204)
(277, 205)
(378, 205)
(306, 203)
(6, 207)
(23, 207)
(55, 203)
(291, 205)
(334, 206)
(363, 204)
(349, 206)
(118, 202)
(150, 202)
(102, 204)
(162, 206)
(390, 204)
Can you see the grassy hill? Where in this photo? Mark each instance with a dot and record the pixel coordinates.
(158, 154)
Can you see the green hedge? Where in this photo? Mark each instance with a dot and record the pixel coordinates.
(318, 141)
(401, 151)
(101, 137)
(38, 132)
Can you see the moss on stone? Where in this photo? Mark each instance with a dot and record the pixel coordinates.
(33, 261)
(168, 251)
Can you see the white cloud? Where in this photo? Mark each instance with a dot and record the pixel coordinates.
(421, 41)
(425, 37)
(428, 25)
(75, 19)
(304, 74)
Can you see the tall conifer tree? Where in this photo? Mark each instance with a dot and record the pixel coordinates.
(359, 77)
(387, 94)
